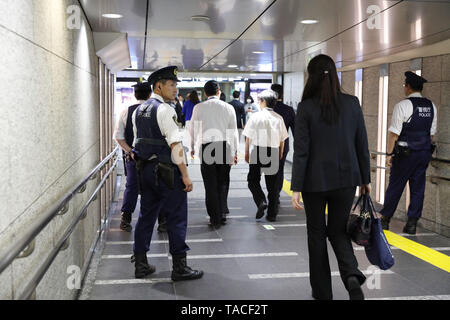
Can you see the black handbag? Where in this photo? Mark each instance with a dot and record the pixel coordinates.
(359, 223)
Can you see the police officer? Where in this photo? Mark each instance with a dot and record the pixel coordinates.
(410, 144)
(163, 175)
(124, 136)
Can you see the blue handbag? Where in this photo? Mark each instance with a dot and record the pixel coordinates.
(378, 251)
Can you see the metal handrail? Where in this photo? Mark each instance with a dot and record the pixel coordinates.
(34, 282)
(14, 249)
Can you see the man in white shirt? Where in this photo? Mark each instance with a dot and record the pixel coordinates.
(123, 135)
(265, 135)
(214, 124)
(411, 136)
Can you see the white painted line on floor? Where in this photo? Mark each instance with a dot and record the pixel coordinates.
(436, 297)
(211, 256)
(132, 281)
(233, 217)
(165, 241)
(128, 256)
(417, 234)
(302, 275)
(289, 225)
(440, 248)
(395, 248)
(244, 255)
(286, 215)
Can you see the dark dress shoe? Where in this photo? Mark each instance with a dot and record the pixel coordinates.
(261, 208)
(271, 219)
(354, 288)
(410, 226)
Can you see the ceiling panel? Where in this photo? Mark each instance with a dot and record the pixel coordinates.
(281, 42)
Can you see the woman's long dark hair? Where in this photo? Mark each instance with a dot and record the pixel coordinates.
(323, 85)
(193, 96)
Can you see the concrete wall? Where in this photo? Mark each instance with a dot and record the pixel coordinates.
(50, 136)
(436, 70)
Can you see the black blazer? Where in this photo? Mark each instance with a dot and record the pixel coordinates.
(239, 107)
(330, 157)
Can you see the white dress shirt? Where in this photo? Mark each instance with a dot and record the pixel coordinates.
(214, 120)
(266, 129)
(119, 132)
(403, 110)
(166, 118)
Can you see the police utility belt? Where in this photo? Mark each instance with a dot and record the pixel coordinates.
(163, 170)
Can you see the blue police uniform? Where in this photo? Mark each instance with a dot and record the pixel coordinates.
(155, 195)
(412, 168)
(411, 165)
(131, 193)
(157, 191)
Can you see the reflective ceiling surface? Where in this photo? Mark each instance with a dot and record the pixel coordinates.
(267, 35)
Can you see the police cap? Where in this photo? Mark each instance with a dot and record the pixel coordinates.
(168, 73)
(414, 80)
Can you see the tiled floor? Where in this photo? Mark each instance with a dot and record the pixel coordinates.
(279, 271)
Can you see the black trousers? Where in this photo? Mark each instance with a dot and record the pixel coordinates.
(281, 173)
(339, 207)
(272, 180)
(216, 177)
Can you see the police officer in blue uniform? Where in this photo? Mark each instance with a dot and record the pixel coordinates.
(124, 137)
(163, 174)
(410, 144)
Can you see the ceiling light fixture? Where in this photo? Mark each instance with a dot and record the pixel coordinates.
(309, 21)
(258, 52)
(112, 16)
(200, 18)
(232, 66)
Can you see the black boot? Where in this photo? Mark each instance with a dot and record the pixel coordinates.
(354, 288)
(410, 226)
(142, 268)
(125, 224)
(385, 222)
(182, 272)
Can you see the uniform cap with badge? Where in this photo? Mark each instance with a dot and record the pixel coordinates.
(414, 80)
(168, 73)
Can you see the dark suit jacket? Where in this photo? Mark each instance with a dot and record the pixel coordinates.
(330, 157)
(288, 115)
(239, 107)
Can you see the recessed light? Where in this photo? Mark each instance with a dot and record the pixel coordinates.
(309, 21)
(258, 52)
(232, 66)
(112, 16)
(200, 18)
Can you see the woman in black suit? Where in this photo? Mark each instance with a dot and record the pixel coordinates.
(331, 158)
